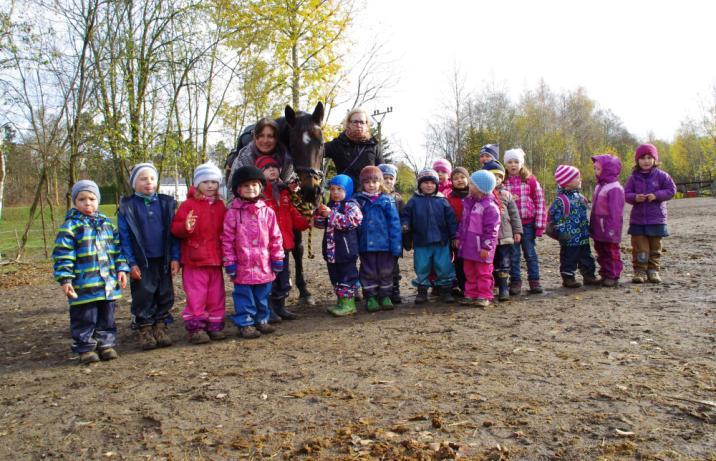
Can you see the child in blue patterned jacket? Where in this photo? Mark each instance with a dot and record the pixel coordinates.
(90, 267)
(569, 216)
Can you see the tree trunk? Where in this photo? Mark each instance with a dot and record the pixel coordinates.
(31, 216)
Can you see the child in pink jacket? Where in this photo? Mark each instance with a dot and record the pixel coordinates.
(253, 252)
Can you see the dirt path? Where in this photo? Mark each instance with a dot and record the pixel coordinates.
(627, 373)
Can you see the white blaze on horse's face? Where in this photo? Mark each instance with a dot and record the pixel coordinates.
(306, 138)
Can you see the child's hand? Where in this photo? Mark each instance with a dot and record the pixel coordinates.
(323, 210)
(455, 243)
(122, 279)
(174, 266)
(517, 238)
(135, 273)
(406, 229)
(484, 254)
(639, 198)
(190, 221)
(69, 291)
(650, 197)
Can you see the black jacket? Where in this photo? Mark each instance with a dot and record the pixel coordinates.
(351, 157)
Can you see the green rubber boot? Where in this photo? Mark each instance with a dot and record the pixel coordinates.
(344, 307)
(371, 305)
(386, 304)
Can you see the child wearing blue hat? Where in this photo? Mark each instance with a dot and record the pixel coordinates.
(341, 219)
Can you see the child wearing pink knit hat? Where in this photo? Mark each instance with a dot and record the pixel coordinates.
(444, 169)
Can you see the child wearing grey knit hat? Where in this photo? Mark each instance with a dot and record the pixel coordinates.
(89, 238)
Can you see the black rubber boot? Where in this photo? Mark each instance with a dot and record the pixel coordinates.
(422, 296)
(280, 309)
(503, 289)
(446, 295)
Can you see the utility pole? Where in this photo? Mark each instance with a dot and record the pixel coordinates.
(378, 117)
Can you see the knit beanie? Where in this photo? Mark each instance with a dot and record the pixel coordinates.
(428, 174)
(494, 167)
(484, 181)
(388, 169)
(85, 185)
(443, 165)
(371, 173)
(515, 154)
(343, 181)
(460, 170)
(265, 161)
(137, 170)
(493, 150)
(646, 149)
(207, 172)
(564, 174)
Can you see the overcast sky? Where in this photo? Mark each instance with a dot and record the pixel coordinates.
(650, 62)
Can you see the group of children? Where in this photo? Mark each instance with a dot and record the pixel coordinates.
(467, 232)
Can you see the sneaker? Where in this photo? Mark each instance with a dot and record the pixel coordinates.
(265, 328)
(274, 317)
(217, 335)
(591, 280)
(422, 296)
(653, 276)
(108, 353)
(570, 282)
(89, 357)
(249, 332)
(466, 301)
(372, 305)
(161, 334)
(515, 287)
(199, 337)
(387, 304)
(482, 303)
(535, 287)
(639, 277)
(610, 283)
(147, 340)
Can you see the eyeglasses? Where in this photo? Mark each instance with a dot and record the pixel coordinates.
(358, 122)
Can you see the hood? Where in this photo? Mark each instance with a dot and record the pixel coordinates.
(611, 167)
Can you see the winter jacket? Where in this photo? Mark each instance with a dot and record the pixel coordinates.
(479, 228)
(340, 239)
(289, 219)
(398, 199)
(251, 241)
(455, 199)
(445, 187)
(607, 216)
(572, 228)
(87, 254)
(510, 222)
(654, 181)
(380, 228)
(202, 246)
(131, 235)
(350, 157)
(529, 198)
(430, 219)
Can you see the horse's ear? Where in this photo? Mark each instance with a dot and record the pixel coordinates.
(318, 114)
(290, 115)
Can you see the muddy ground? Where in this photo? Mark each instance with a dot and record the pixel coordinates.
(626, 373)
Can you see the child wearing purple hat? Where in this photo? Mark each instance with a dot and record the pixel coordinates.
(607, 217)
(647, 190)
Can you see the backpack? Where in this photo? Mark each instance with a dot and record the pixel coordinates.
(550, 230)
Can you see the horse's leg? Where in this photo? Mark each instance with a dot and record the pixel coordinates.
(305, 296)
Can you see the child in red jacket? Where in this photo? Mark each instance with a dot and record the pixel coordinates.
(198, 224)
(278, 198)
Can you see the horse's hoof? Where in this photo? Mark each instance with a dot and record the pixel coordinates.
(307, 300)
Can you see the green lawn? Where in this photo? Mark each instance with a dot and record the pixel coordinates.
(12, 226)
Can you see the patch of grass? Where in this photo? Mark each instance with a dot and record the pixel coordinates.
(12, 226)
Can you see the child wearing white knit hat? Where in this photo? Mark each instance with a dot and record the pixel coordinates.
(529, 197)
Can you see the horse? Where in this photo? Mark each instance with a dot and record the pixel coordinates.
(301, 133)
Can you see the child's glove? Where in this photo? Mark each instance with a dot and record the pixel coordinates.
(230, 270)
(563, 237)
(407, 241)
(277, 266)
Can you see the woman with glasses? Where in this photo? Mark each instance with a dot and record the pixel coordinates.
(355, 148)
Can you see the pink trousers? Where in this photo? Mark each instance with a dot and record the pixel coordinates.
(478, 279)
(205, 298)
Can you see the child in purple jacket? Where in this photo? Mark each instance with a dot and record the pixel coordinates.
(647, 189)
(607, 217)
(478, 237)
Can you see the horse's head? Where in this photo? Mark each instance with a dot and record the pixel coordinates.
(305, 142)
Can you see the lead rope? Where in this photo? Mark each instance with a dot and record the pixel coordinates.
(306, 210)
